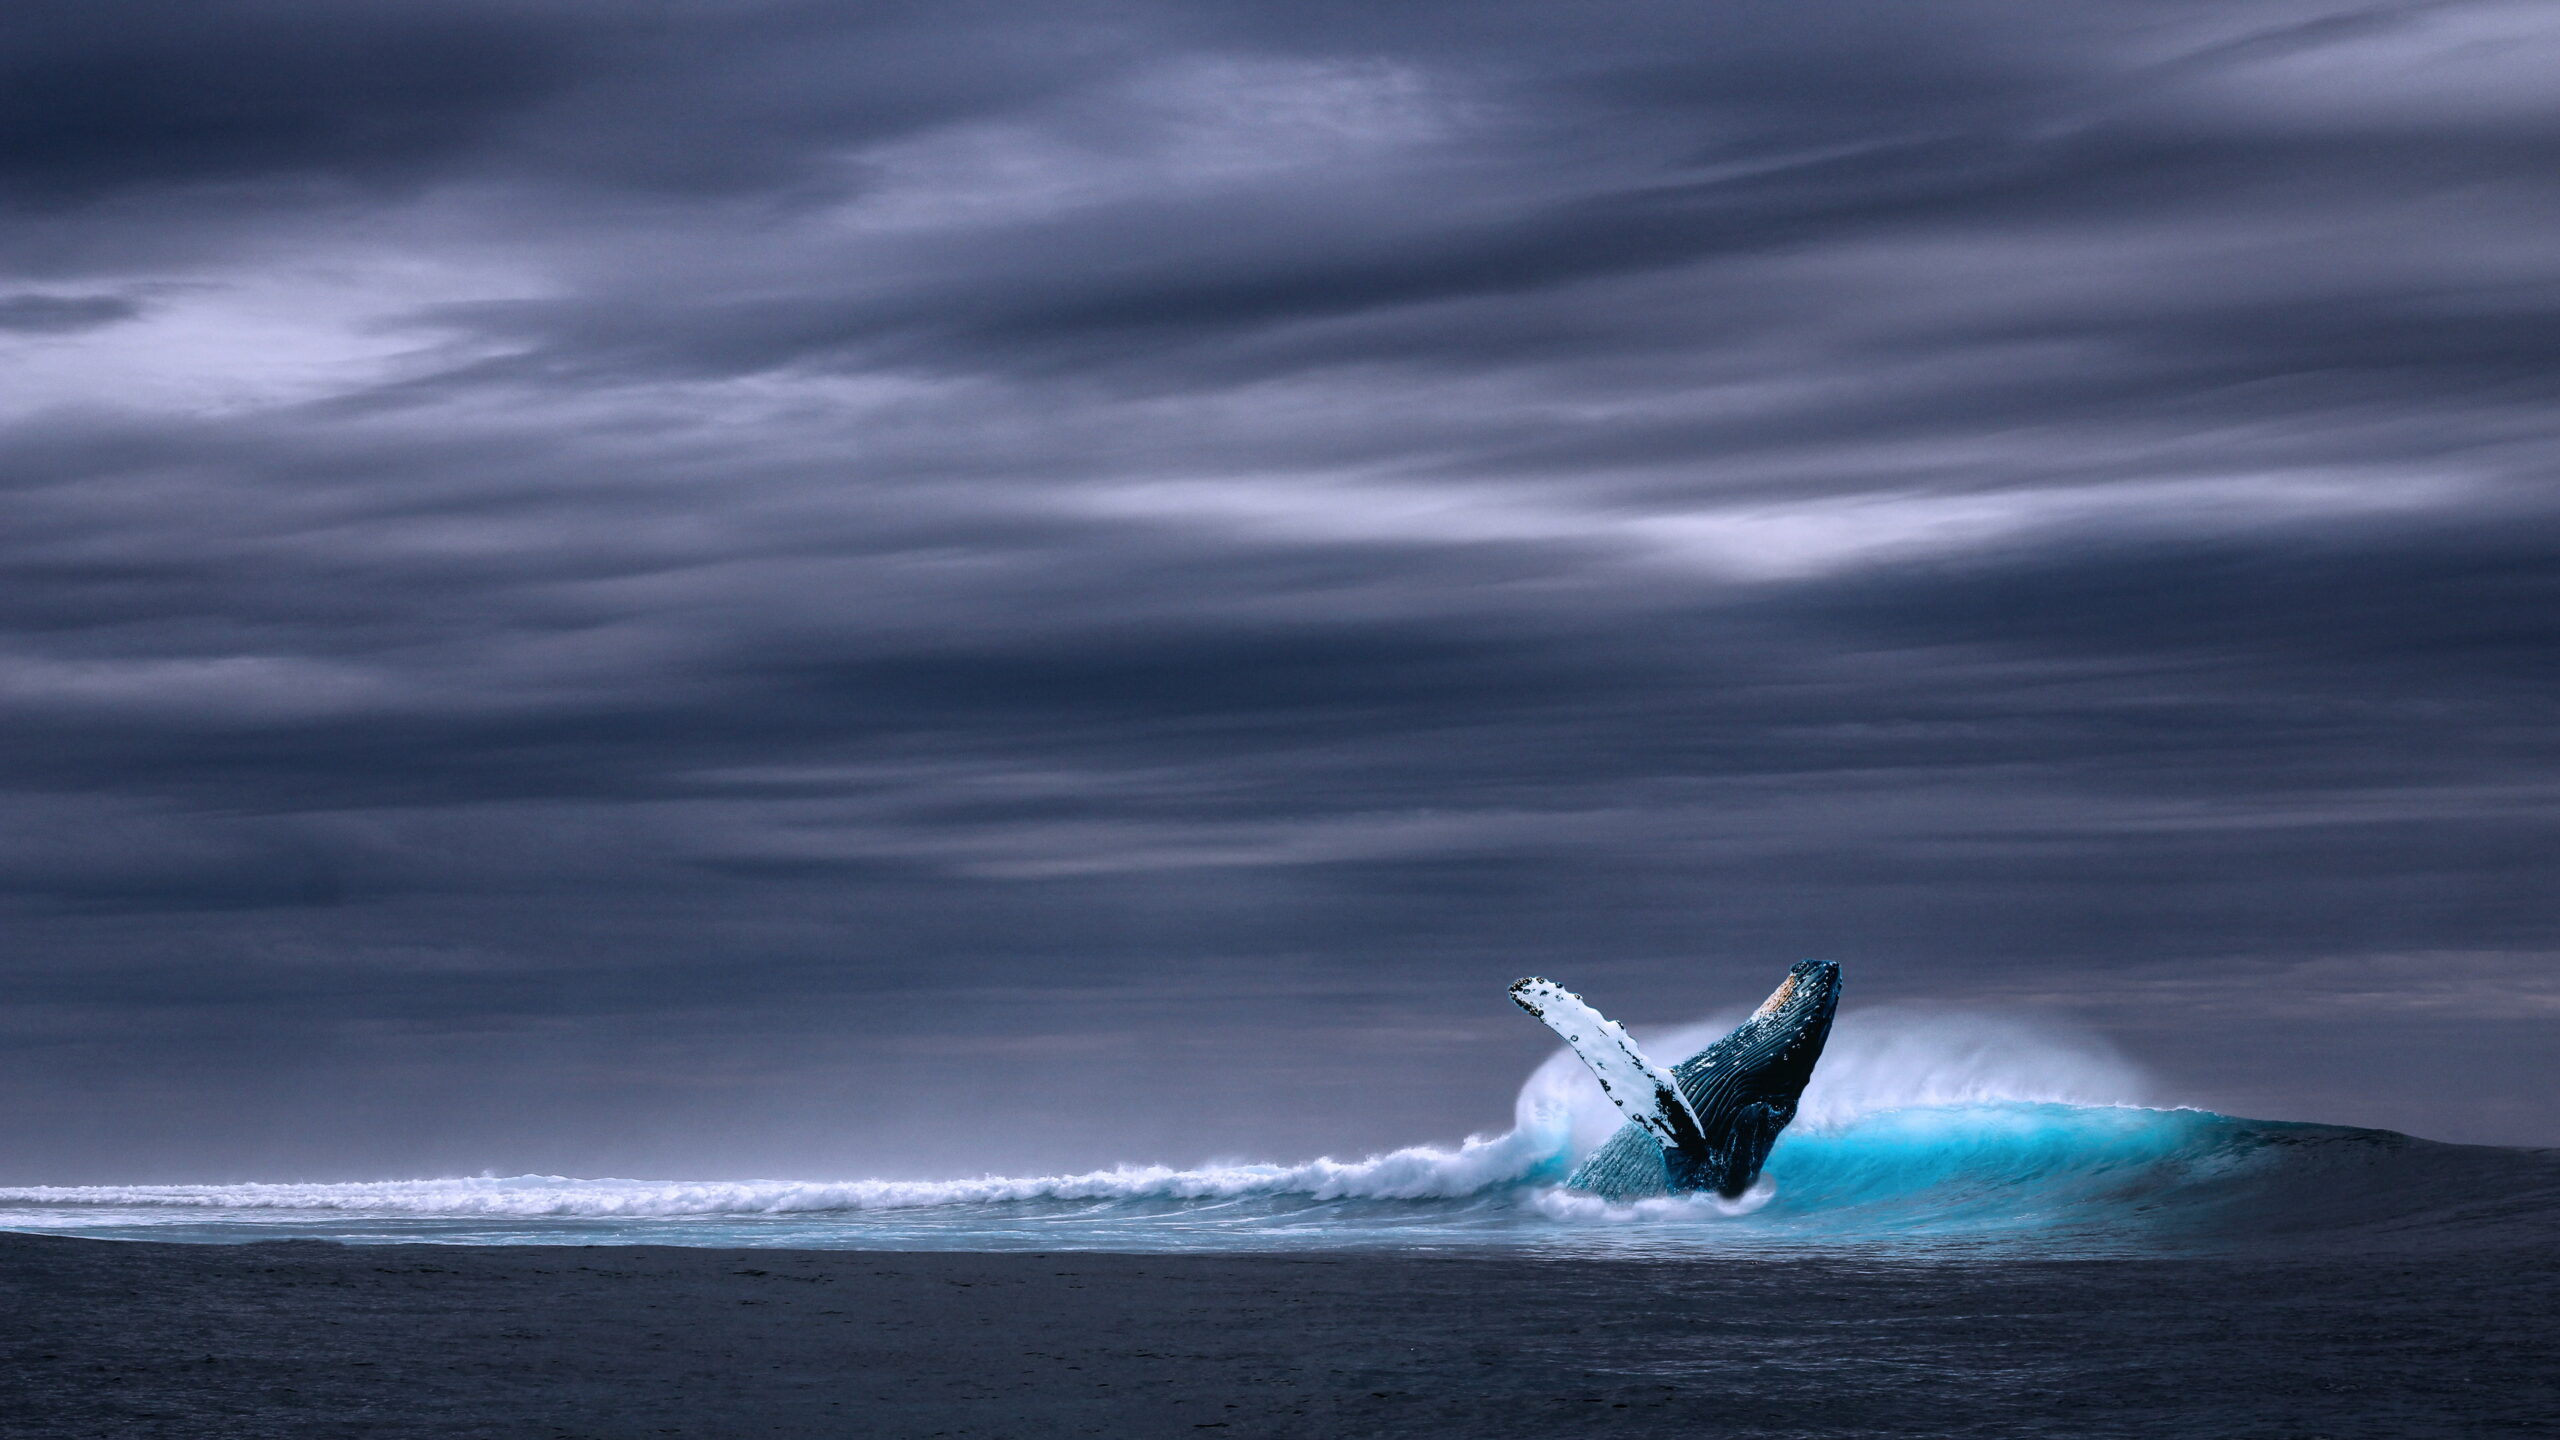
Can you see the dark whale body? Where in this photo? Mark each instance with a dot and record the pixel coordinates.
(1740, 1092)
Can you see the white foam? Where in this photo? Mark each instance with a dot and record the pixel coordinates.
(1580, 1207)
(1416, 1173)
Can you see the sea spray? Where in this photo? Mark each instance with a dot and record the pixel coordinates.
(1911, 1057)
(1576, 1207)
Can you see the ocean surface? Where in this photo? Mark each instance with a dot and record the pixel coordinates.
(1928, 1134)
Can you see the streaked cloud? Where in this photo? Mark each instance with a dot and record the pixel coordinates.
(628, 534)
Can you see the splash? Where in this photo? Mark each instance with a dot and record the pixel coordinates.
(1576, 1207)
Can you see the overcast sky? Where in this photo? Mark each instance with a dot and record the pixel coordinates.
(872, 589)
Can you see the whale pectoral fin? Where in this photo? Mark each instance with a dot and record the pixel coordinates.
(1644, 1090)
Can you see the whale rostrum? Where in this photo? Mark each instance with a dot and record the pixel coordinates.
(1706, 1123)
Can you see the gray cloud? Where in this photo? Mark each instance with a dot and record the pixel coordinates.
(667, 562)
(62, 314)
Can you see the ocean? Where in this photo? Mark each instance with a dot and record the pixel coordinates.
(1974, 1229)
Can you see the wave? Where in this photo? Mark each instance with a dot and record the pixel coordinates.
(1921, 1128)
(2036, 1171)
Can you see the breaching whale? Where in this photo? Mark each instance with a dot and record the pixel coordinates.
(1706, 1123)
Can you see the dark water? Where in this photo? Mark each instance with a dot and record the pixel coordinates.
(2286, 1344)
(123, 1341)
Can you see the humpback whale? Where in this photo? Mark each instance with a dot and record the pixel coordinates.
(1706, 1123)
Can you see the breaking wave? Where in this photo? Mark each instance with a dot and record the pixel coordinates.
(1921, 1128)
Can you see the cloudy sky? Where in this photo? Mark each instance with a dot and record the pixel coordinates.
(590, 585)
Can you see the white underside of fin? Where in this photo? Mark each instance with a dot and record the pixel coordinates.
(1644, 1090)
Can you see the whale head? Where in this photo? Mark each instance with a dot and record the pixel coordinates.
(1744, 1087)
(1774, 1051)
